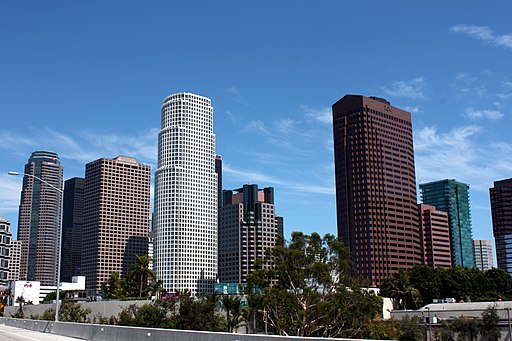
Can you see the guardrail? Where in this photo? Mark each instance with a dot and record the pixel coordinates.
(99, 332)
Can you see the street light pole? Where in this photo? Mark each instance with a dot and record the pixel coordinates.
(59, 258)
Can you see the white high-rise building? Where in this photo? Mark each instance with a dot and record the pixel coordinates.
(185, 210)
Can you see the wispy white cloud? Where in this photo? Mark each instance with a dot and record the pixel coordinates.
(458, 154)
(413, 89)
(10, 188)
(142, 145)
(232, 117)
(412, 109)
(248, 176)
(86, 146)
(259, 127)
(286, 125)
(466, 77)
(238, 96)
(322, 115)
(290, 126)
(492, 115)
(504, 95)
(484, 34)
(483, 85)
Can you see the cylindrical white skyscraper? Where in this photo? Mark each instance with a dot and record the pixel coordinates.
(185, 210)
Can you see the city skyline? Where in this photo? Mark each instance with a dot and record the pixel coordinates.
(272, 81)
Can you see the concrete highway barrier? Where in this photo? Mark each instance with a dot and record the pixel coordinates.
(99, 332)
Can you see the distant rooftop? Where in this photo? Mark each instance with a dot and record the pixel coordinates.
(380, 99)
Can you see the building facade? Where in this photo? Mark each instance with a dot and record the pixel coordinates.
(453, 197)
(14, 263)
(115, 219)
(482, 252)
(435, 233)
(72, 220)
(5, 250)
(376, 186)
(186, 189)
(218, 171)
(39, 218)
(249, 226)
(501, 210)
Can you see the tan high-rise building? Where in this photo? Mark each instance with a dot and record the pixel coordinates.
(116, 217)
(376, 186)
(39, 218)
(14, 263)
(482, 251)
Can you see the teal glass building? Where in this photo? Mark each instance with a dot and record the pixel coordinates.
(453, 197)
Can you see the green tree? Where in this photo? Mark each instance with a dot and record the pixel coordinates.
(489, 326)
(140, 273)
(425, 279)
(457, 282)
(6, 295)
(446, 333)
(412, 329)
(305, 288)
(198, 313)
(113, 288)
(21, 301)
(236, 316)
(466, 327)
(127, 316)
(155, 287)
(399, 287)
(382, 330)
(52, 295)
(69, 311)
(149, 315)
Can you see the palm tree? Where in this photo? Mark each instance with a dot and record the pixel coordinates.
(113, 287)
(235, 315)
(400, 288)
(141, 273)
(155, 287)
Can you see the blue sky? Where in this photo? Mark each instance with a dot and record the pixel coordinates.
(87, 79)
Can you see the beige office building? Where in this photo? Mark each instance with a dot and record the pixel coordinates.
(116, 217)
(14, 262)
(482, 251)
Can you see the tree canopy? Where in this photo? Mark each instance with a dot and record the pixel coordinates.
(459, 283)
(305, 288)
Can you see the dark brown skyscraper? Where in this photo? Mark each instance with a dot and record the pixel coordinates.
(376, 186)
(116, 217)
(501, 209)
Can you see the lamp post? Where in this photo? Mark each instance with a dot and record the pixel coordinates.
(61, 192)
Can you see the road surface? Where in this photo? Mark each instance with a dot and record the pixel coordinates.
(8, 333)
